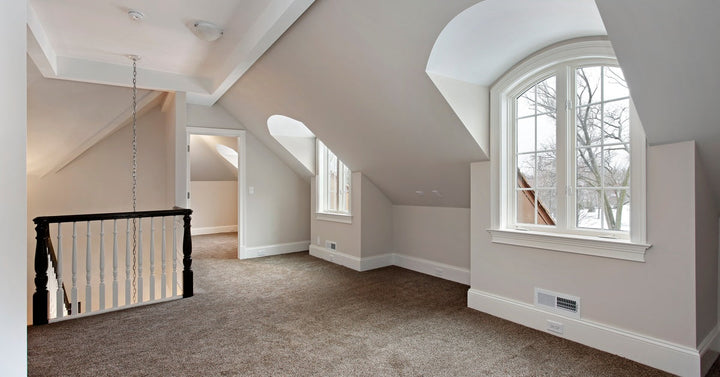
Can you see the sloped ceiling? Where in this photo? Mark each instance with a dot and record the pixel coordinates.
(206, 163)
(63, 114)
(354, 73)
(670, 54)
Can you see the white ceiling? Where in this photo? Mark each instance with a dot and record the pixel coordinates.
(88, 40)
(483, 41)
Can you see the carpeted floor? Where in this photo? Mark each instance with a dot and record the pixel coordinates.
(295, 315)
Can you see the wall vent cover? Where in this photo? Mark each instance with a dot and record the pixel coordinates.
(558, 303)
(332, 245)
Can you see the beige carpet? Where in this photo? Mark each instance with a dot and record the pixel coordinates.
(295, 315)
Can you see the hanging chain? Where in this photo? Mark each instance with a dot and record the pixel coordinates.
(134, 178)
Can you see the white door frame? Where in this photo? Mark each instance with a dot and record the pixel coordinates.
(242, 181)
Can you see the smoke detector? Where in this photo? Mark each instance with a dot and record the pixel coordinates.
(135, 15)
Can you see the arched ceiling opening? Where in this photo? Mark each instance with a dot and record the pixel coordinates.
(488, 38)
(295, 138)
(485, 40)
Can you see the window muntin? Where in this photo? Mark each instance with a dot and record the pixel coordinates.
(581, 185)
(602, 149)
(334, 183)
(535, 154)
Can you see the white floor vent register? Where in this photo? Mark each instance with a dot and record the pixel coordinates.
(557, 303)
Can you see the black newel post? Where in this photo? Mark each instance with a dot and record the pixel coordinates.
(187, 258)
(40, 297)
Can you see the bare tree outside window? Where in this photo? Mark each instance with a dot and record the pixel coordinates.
(602, 145)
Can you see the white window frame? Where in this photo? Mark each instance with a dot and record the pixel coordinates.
(567, 56)
(322, 198)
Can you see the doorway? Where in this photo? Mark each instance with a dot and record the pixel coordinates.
(215, 153)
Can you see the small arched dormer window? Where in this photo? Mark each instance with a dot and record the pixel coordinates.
(568, 155)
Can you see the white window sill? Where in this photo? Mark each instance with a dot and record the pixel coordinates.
(336, 217)
(600, 247)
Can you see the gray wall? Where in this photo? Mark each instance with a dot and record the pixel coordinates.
(377, 221)
(640, 297)
(434, 233)
(279, 210)
(13, 348)
(706, 253)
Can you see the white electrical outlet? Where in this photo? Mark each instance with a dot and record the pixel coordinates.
(251, 190)
(318, 240)
(555, 327)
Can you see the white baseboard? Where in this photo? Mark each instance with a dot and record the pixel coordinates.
(336, 257)
(428, 267)
(213, 230)
(441, 270)
(277, 249)
(670, 357)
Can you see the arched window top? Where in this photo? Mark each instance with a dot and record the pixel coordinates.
(568, 153)
(295, 137)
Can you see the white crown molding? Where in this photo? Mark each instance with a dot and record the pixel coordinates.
(204, 89)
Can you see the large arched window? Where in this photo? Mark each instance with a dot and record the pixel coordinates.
(568, 155)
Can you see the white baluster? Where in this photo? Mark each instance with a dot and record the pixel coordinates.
(115, 265)
(88, 288)
(60, 291)
(152, 259)
(127, 263)
(174, 257)
(163, 277)
(140, 263)
(102, 265)
(73, 290)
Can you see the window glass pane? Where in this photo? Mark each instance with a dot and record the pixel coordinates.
(546, 173)
(616, 122)
(525, 207)
(546, 96)
(587, 85)
(526, 135)
(332, 182)
(346, 188)
(546, 132)
(616, 166)
(547, 207)
(614, 84)
(588, 125)
(617, 214)
(589, 209)
(526, 170)
(587, 168)
(525, 104)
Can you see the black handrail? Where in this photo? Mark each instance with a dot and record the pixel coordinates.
(42, 230)
(111, 216)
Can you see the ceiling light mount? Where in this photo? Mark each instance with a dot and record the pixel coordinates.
(136, 15)
(134, 58)
(207, 31)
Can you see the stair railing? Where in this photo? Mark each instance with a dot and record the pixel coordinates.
(134, 279)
